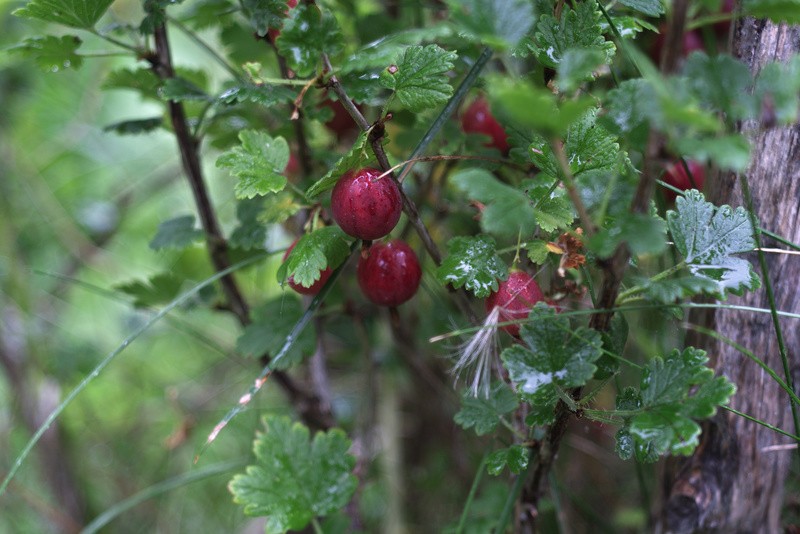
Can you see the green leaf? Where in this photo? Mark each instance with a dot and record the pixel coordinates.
(179, 89)
(307, 34)
(708, 236)
(727, 152)
(419, 78)
(534, 107)
(313, 253)
(51, 53)
(651, 8)
(628, 27)
(498, 23)
(588, 146)
(484, 413)
(134, 127)
(278, 208)
(554, 356)
(142, 80)
(356, 158)
(251, 233)
(295, 479)
(577, 66)
(508, 211)
(630, 108)
(515, 458)
(552, 208)
(578, 28)
(537, 251)
(673, 289)
(376, 55)
(177, 233)
(673, 392)
(644, 234)
(259, 163)
(261, 94)
(473, 263)
(158, 289)
(272, 322)
(264, 14)
(776, 10)
(82, 14)
(721, 83)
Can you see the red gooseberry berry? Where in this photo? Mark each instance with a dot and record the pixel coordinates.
(389, 274)
(366, 205)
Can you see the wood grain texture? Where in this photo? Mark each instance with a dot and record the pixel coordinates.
(733, 483)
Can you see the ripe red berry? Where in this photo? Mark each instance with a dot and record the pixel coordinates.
(316, 286)
(390, 273)
(676, 176)
(366, 206)
(275, 32)
(477, 118)
(515, 298)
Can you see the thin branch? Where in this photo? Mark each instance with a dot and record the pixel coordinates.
(569, 183)
(308, 404)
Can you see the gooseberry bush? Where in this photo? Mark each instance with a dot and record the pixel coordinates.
(461, 196)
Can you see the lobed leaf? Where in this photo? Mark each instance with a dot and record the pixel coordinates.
(515, 457)
(313, 253)
(577, 28)
(473, 263)
(708, 237)
(307, 33)
(660, 416)
(295, 479)
(264, 14)
(177, 233)
(250, 233)
(419, 78)
(553, 356)
(259, 163)
(50, 53)
(82, 14)
(484, 413)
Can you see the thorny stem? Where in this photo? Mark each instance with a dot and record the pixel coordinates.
(307, 403)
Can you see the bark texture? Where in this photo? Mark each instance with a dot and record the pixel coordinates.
(735, 480)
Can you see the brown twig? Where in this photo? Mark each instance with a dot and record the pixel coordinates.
(673, 46)
(307, 403)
